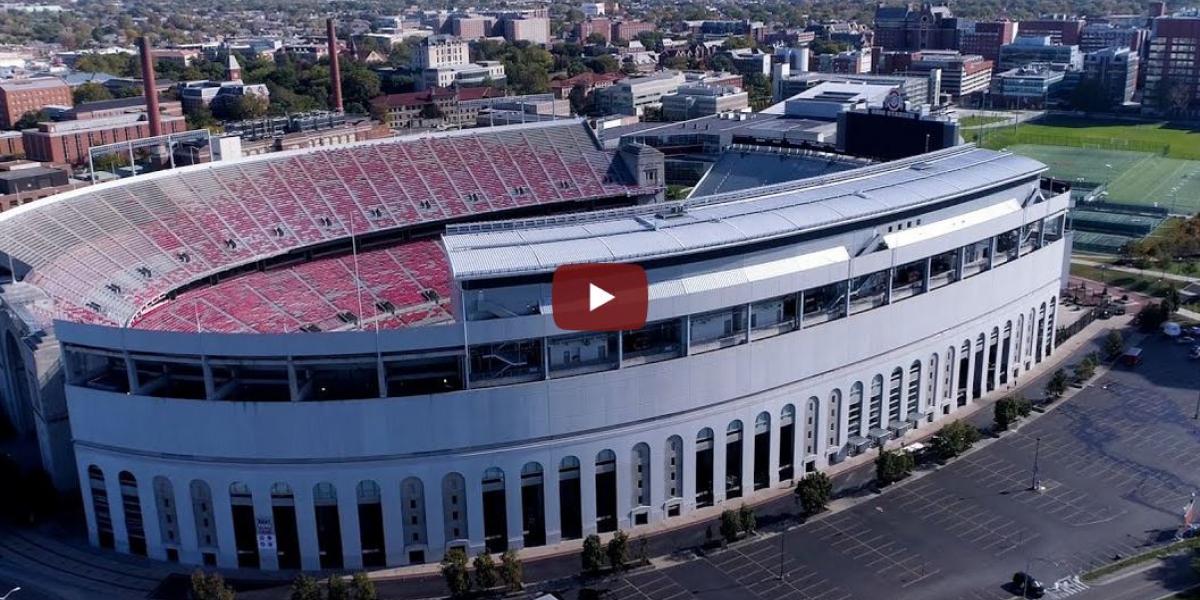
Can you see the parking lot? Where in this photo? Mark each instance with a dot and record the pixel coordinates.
(1117, 462)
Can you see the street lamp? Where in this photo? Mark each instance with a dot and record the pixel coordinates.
(10, 592)
(1195, 417)
(1036, 484)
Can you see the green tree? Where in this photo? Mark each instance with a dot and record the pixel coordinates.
(1171, 301)
(747, 521)
(1090, 96)
(1086, 368)
(593, 554)
(596, 37)
(954, 439)
(511, 571)
(581, 101)
(730, 526)
(202, 118)
(605, 63)
(1004, 413)
(735, 42)
(485, 570)
(651, 40)
(90, 92)
(336, 588)
(362, 588)
(210, 586)
(359, 85)
(30, 119)
(305, 588)
(1057, 385)
(814, 492)
(892, 466)
(617, 550)
(1114, 344)
(454, 571)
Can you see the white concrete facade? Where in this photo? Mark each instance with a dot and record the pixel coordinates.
(464, 468)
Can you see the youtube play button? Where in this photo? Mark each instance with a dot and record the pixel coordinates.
(599, 297)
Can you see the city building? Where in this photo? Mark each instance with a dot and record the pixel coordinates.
(786, 83)
(520, 28)
(1098, 36)
(592, 9)
(1116, 70)
(1063, 30)
(594, 25)
(699, 100)
(68, 142)
(98, 109)
(629, 30)
(442, 51)
(826, 100)
(714, 29)
(1173, 63)
(749, 61)
(909, 27)
(1039, 49)
(11, 145)
(849, 61)
(482, 73)
(195, 95)
(23, 181)
(773, 350)
(471, 27)
(986, 37)
(961, 74)
(590, 82)
(20, 96)
(1030, 86)
(633, 95)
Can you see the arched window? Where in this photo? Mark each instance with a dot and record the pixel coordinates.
(674, 467)
(454, 507)
(131, 502)
(370, 524)
(287, 536)
(412, 510)
(895, 410)
(329, 525)
(202, 511)
(812, 425)
(875, 409)
(164, 503)
(855, 409)
(835, 419)
(914, 390)
(640, 472)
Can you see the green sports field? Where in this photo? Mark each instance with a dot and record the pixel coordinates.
(1166, 138)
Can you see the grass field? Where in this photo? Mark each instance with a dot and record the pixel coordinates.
(1176, 140)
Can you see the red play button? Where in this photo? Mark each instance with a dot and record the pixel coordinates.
(599, 297)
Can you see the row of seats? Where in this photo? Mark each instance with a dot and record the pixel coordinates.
(394, 287)
(115, 249)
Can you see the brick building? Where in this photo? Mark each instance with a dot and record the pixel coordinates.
(1066, 31)
(911, 28)
(629, 30)
(599, 25)
(986, 37)
(68, 142)
(19, 96)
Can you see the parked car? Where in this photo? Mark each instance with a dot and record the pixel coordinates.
(1027, 585)
(1195, 353)
(1185, 339)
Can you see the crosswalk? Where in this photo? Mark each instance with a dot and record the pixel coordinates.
(1066, 587)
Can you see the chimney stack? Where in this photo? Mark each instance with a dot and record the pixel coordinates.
(149, 89)
(335, 70)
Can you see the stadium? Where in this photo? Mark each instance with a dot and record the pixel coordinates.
(350, 352)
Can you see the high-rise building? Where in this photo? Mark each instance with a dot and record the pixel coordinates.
(20, 96)
(596, 25)
(1173, 61)
(441, 51)
(907, 27)
(961, 74)
(629, 30)
(1097, 36)
(986, 37)
(1038, 49)
(1116, 70)
(1062, 30)
(528, 29)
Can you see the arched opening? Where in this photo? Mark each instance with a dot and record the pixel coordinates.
(495, 511)
(855, 410)
(673, 469)
(19, 407)
(639, 474)
(206, 525)
(412, 512)
(895, 412)
(168, 521)
(704, 467)
(1034, 349)
(912, 408)
(104, 528)
(287, 535)
(1019, 336)
(454, 509)
(606, 491)
(835, 420)
(931, 390)
(135, 530)
(329, 526)
(964, 372)
(570, 506)
(993, 361)
(979, 375)
(1049, 339)
(733, 460)
(1005, 352)
(245, 529)
(875, 408)
(812, 432)
(533, 515)
(762, 451)
(370, 524)
(787, 442)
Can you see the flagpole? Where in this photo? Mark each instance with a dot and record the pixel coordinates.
(357, 281)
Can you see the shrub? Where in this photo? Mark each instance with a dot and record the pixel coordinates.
(335, 588)
(1086, 368)
(746, 519)
(813, 492)
(511, 571)
(593, 554)
(892, 466)
(362, 588)
(210, 586)
(730, 526)
(618, 550)
(454, 571)
(305, 588)
(485, 570)
(1114, 344)
(1057, 385)
(954, 439)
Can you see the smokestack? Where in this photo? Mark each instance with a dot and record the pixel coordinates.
(335, 70)
(148, 88)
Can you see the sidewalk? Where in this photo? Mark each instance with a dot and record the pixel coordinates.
(1135, 271)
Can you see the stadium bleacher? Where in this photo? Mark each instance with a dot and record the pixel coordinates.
(118, 248)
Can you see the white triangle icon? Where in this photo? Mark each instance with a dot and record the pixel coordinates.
(597, 297)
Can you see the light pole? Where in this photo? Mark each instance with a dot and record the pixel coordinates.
(782, 535)
(10, 592)
(1036, 484)
(1195, 417)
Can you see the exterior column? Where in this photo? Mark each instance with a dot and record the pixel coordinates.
(970, 383)
(223, 517)
(657, 480)
(1051, 318)
(624, 477)
(688, 485)
(776, 433)
(435, 518)
(189, 543)
(116, 509)
(306, 527)
(393, 522)
(150, 524)
(720, 447)
(551, 503)
(89, 506)
(748, 457)
(268, 560)
(513, 506)
(587, 492)
(864, 421)
(474, 499)
(347, 503)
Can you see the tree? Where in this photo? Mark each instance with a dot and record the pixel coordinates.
(618, 550)
(596, 37)
(359, 84)
(593, 554)
(1114, 344)
(1086, 368)
(730, 526)
(1090, 96)
(90, 92)
(202, 118)
(954, 439)
(305, 588)
(1152, 316)
(747, 522)
(30, 119)
(580, 100)
(1004, 413)
(735, 42)
(335, 588)
(485, 570)
(813, 492)
(892, 466)
(1057, 385)
(605, 63)
(1171, 301)
(362, 588)
(454, 571)
(511, 571)
(210, 586)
